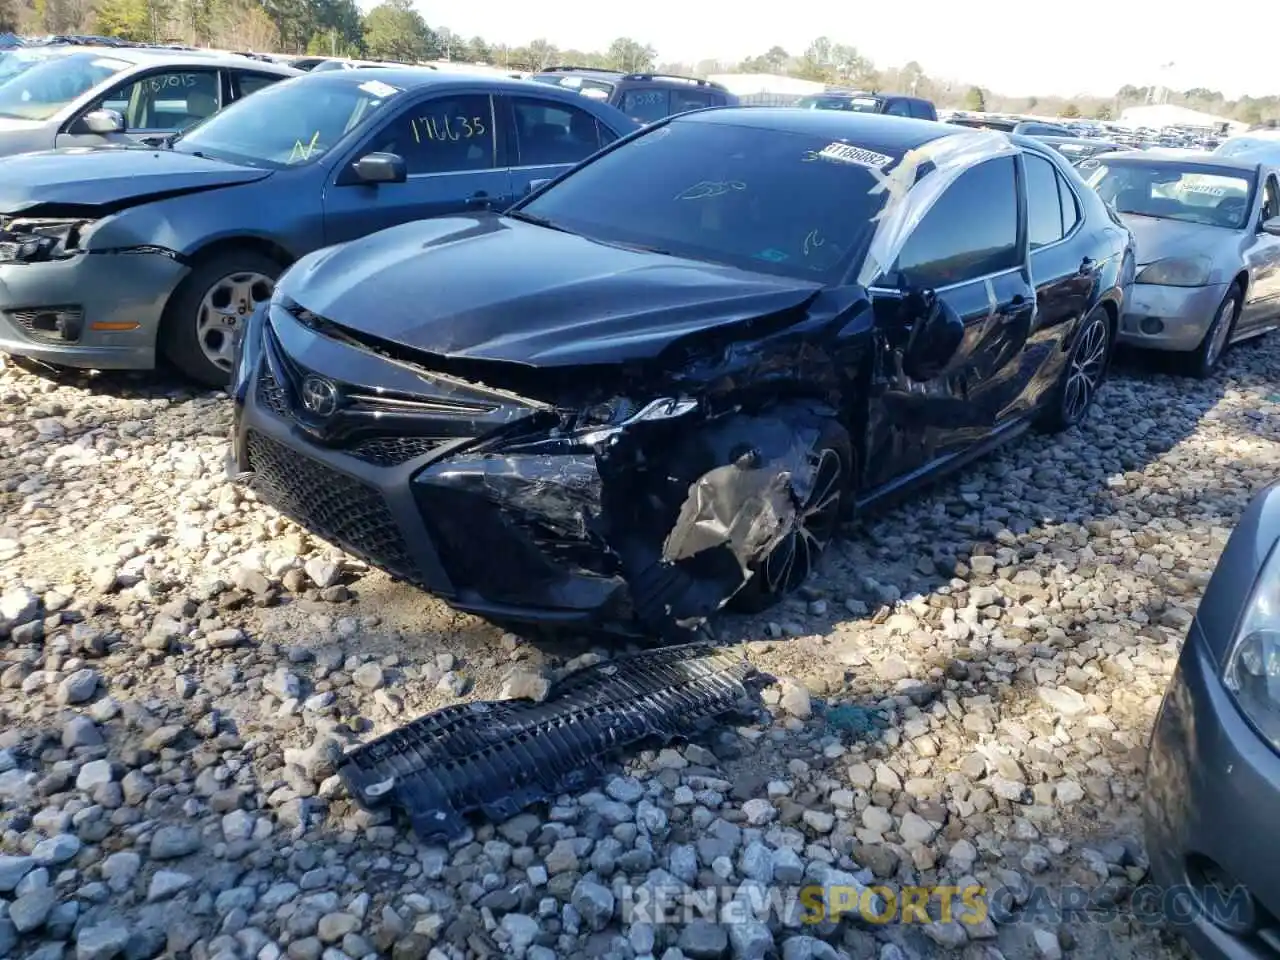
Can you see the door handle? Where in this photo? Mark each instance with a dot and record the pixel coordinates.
(1086, 266)
(479, 200)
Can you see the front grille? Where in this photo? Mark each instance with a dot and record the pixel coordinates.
(392, 451)
(51, 326)
(336, 507)
(271, 394)
(500, 757)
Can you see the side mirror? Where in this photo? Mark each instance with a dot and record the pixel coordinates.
(1271, 226)
(535, 185)
(380, 168)
(936, 334)
(104, 122)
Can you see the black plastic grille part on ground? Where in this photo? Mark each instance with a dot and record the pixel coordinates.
(499, 757)
(348, 513)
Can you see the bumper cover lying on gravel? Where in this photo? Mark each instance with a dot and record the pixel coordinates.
(499, 757)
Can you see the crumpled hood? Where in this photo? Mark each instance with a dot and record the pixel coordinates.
(1159, 239)
(492, 288)
(109, 177)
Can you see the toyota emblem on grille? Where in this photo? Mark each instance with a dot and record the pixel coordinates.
(319, 396)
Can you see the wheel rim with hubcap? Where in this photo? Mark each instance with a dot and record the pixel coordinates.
(1084, 375)
(225, 309)
(1219, 332)
(793, 559)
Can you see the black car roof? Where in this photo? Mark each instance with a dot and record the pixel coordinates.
(872, 130)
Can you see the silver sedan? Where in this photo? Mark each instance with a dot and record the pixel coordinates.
(1208, 236)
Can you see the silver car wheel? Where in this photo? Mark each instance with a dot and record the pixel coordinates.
(793, 559)
(225, 308)
(1084, 374)
(1220, 331)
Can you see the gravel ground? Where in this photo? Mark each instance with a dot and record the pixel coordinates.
(964, 698)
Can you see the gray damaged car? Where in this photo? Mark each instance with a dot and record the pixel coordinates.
(67, 96)
(1208, 233)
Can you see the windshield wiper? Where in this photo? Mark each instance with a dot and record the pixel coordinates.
(535, 220)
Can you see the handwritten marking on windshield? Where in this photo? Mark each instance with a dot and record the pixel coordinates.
(302, 152)
(704, 189)
(813, 239)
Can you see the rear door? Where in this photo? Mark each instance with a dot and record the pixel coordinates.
(969, 250)
(154, 104)
(449, 146)
(542, 138)
(1063, 273)
(645, 104)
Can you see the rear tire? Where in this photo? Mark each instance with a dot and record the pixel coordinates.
(1084, 375)
(210, 308)
(791, 562)
(1205, 358)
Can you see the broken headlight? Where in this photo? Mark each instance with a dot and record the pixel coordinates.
(599, 424)
(1252, 673)
(26, 240)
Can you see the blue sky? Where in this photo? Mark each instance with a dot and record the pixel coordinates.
(1013, 47)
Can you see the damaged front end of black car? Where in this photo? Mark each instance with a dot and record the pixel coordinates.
(636, 497)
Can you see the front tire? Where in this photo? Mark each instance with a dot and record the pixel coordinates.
(790, 563)
(1204, 360)
(1084, 374)
(210, 308)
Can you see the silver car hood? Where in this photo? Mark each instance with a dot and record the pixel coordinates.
(1159, 239)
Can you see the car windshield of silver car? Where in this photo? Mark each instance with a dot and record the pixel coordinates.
(1168, 192)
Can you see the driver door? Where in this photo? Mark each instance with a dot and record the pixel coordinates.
(449, 145)
(154, 105)
(969, 249)
(1262, 257)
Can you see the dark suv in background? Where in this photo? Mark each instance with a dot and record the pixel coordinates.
(644, 97)
(893, 104)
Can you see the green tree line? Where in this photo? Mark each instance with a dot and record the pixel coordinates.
(395, 30)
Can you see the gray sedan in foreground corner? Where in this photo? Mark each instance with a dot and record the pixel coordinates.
(1213, 769)
(95, 96)
(1208, 234)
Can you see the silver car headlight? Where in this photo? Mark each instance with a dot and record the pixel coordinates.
(1177, 272)
(1252, 672)
(27, 239)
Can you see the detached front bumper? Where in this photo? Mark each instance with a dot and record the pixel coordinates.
(1169, 318)
(1212, 788)
(94, 310)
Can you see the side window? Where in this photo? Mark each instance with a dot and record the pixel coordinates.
(247, 83)
(170, 100)
(898, 108)
(682, 100)
(1271, 198)
(1070, 206)
(969, 232)
(646, 106)
(547, 132)
(443, 135)
(1044, 204)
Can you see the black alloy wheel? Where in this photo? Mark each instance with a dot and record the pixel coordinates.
(794, 558)
(1085, 372)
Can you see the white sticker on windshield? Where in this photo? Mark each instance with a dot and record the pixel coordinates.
(847, 153)
(376, 88)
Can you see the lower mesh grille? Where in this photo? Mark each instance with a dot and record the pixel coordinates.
(346, 512)
(392, 451)
(501, 756)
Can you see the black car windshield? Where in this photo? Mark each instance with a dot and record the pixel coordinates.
(756, 198)
(1216, 197)
(290, 123)
(37, 87)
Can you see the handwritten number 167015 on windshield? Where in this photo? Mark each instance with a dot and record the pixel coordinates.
(446, 128)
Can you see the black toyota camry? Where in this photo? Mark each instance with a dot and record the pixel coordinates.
(657, 383)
